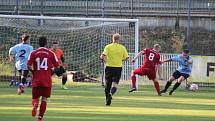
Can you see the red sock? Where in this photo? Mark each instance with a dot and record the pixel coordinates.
(35, 102)
(42, 108)
(133, 78)
(157, 87)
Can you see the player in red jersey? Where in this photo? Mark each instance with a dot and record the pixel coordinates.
(40, 63)
(151, 60)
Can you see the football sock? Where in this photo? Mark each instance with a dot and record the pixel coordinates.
(157, 87)
(108, 100)
(35, 102)
(20, 79)
(107, 89)
(64, 80)
(42, 108)
(106, 94)
(113, 90)
(108, 86)
(23, 80)
(133, 78)
(168, 84)
(176, 86)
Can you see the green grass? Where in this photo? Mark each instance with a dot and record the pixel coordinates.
(85, 102)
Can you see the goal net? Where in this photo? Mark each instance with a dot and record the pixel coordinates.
(81, 39)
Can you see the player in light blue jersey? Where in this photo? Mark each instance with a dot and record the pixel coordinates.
(19, 53)
(182, 72)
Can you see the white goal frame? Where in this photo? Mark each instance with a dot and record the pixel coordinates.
(135, 21)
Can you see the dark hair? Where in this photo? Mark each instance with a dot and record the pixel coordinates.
(42, 41)
(55, 42)
(186, 51)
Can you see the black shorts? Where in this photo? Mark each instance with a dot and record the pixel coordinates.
(113, 74)
(23, 73)
(177, 74)
(59, 71)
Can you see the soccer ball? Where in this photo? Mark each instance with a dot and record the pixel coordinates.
(194, 87)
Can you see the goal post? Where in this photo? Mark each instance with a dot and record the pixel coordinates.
(82, 43)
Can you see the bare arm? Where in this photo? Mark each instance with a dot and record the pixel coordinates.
(30, 68)
(190, 61)
(103, 57)
(11, 57)
(65, 65)
(62, 59)
(138, 55)
(166, 61)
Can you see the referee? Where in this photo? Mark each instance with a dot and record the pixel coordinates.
(113, 55)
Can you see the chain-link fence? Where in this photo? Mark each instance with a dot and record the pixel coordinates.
(173, 21)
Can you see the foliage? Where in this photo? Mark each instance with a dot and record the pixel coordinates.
(172, 41)
(6, 68)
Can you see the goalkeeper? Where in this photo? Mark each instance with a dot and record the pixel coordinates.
(62, 70)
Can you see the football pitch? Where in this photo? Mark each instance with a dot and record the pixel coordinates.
(85, 102)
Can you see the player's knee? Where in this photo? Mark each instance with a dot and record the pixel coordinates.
(64, 75)
(154, 80)
(171, 78)
(132, 73)
(115, 84)
(181, 79)
(44, 99)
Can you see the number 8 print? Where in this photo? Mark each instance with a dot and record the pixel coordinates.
(151, 56)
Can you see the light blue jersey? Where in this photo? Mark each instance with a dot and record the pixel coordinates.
(184, 67)
(21, 52)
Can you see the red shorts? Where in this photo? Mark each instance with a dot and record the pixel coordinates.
(150, 73)
(41, 91)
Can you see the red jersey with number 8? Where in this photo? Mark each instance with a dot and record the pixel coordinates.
(151, 59)
(42, 60)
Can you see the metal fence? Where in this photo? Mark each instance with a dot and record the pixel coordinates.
(194, 19)
(171, 33)
(124, 8)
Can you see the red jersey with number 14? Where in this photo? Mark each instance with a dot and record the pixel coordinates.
(151, 59)
(42, 60)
